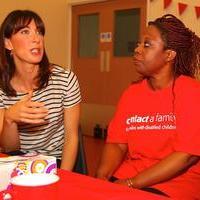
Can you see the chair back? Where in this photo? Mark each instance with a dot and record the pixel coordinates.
(81, 165)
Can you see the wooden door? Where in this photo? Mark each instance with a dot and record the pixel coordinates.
(104, 73)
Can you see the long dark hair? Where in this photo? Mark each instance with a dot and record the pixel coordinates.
(14, 22)
(183, 41)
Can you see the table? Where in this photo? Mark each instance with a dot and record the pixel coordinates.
(72, 186)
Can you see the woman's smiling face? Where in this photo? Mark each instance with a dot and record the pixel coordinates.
(150, 55)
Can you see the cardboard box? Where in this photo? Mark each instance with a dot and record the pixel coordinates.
(27, 164)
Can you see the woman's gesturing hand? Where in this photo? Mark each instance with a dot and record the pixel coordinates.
(27, 111)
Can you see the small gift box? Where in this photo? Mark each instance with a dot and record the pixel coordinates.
(27, 164)
(24, 165)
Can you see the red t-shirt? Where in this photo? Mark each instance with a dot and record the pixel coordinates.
(155, 124)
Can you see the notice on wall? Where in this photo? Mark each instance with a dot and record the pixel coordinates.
(106, 37)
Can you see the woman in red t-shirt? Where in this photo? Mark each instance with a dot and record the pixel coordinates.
(153, 140)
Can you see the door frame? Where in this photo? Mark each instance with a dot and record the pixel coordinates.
(69, 23)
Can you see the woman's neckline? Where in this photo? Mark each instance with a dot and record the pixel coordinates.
(166, 88)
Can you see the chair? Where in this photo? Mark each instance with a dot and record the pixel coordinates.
(81, 165)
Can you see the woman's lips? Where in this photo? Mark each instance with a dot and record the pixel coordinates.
(36, 51)
(136, 60)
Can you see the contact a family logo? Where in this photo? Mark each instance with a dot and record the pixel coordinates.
(151, 122)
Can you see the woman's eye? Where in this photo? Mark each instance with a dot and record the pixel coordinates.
(25, 31)
(147, 44)
(39, 32)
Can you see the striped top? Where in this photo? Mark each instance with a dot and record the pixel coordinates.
(62, 92)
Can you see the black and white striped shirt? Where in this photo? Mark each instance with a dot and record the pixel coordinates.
(62, 92)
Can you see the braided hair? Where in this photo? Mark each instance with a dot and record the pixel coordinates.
(183, 41)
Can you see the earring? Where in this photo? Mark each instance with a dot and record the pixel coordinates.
(11, 52)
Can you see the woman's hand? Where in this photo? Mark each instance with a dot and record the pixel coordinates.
(122, 182)
(171, 166)
(27, 111)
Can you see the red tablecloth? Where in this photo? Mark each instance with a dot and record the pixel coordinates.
(72, 186)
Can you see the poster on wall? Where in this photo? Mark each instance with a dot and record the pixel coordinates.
(106, 37)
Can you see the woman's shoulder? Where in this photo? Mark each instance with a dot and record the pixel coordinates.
(187, 87)
(133, 90)
(58, 71)
(188, 83)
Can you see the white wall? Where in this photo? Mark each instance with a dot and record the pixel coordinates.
(156, 9)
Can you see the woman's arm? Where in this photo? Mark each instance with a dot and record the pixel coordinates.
(9, 139)
(1, 124)
(24, 111)
(71, 123)
(171, 166)
(2, 111)
(112, 156)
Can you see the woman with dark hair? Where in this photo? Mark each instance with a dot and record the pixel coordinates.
(40, 101)
(153, 140)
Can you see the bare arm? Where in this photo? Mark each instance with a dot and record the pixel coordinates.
(71, 122)
(24, 111)
(171, 166)
(9, 139)
(112, 156)
(2, 111)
